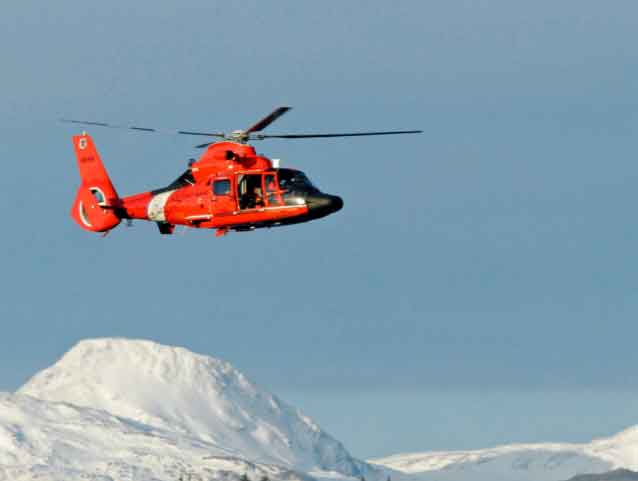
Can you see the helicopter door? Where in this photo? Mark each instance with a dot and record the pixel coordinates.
(250, 191)
(223, 199)
(273, 195)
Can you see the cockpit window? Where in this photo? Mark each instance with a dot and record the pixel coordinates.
(295, 181)
(272, 192)
(269, 182)
(294, 186)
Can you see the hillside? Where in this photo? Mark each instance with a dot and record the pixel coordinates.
(615, 475)
(117, 409)
(525, 462)
(116, 406)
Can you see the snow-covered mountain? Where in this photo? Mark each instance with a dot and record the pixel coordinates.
(524, 462)
(615, 475)
(123, 409)
(117, 409)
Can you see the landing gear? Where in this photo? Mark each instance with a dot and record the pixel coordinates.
(165, 228)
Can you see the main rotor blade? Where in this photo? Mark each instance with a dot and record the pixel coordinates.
(267, 120)
(143, 129)
(201, 146)
(320, 136)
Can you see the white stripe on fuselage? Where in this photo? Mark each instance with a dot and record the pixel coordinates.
(155, 209)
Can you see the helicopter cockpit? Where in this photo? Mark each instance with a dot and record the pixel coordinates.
(295, 186)
(284, 187)
(274, 188)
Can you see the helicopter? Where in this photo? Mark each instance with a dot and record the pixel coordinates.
(229, 188)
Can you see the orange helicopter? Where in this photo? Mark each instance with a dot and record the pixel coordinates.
(230, 187)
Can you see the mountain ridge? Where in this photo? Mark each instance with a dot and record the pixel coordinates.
(615, 475)
(520, 462)
(148, 389)
(116, 409)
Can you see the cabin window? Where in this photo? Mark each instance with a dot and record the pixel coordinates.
(221, 187)
(272, 190)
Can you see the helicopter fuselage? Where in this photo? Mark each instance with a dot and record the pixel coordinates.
(229, 188)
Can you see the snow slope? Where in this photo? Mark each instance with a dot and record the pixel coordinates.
(115, 405)
(59, 441)
(117, 409)
(616, 475)
(531, 462)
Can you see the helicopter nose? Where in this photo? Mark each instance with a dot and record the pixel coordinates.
(320, 205)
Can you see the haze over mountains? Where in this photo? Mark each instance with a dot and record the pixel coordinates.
(114, 409)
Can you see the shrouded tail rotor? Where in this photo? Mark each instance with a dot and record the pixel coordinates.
(96, 203)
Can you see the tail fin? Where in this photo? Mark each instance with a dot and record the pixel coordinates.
(96, 203)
